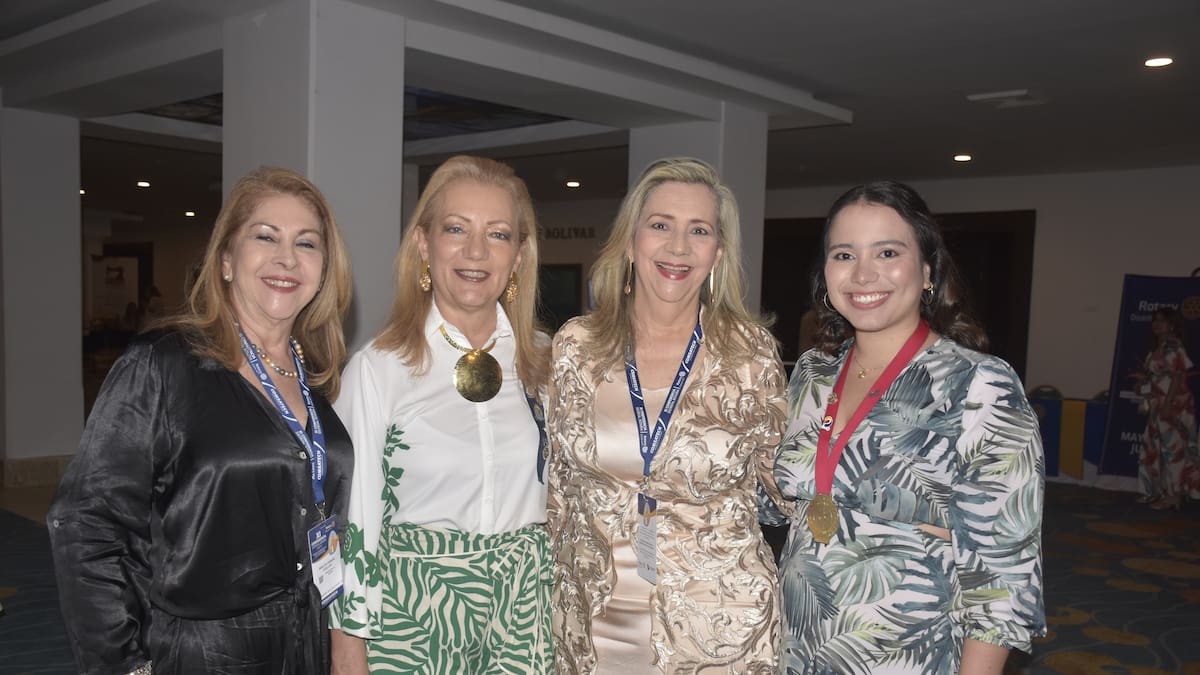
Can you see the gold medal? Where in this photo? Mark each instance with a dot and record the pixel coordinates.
(477, 375)
(822, 517)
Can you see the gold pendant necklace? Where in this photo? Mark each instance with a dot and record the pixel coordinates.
(863, 370)
(477, 375)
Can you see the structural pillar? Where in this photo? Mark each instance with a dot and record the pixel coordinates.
(317, 86)
(41, 399)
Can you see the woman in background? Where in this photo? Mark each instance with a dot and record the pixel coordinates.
(211, 461)
(914, 460)
(447, 565)
(1167, 466)
(659, 559)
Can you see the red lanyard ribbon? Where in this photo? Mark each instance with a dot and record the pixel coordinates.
(827, 457)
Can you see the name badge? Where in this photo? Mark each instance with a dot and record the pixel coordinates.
(645, 542)
(324, 548)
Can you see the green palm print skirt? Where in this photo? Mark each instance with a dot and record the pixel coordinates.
(456, 602)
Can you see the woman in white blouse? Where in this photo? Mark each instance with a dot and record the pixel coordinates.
(447, 566)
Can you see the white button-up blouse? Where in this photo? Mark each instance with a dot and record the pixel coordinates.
(427, 456)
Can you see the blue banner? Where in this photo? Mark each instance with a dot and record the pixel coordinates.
(1126, 422)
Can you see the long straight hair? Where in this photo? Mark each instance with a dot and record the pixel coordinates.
(725, 313)
(404, 333)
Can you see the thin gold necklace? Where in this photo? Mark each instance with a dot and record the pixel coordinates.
(863, 370)
(477, 375)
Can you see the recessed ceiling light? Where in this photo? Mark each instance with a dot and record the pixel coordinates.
(572, 183)
(82, 191)
(143, 183)
(190, 214)
(962, 158)
(1159, 62)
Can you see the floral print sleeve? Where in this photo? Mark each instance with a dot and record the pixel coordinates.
(996, 511)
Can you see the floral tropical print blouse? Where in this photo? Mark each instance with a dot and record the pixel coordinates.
(952, 444)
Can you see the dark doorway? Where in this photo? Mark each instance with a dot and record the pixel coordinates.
(994, 252)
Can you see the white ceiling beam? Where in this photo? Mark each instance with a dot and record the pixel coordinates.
(555, 133)
(528, 62)
(73, 23)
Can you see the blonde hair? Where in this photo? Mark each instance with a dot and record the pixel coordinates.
(404, 333)
(725, 312)
(208, 321)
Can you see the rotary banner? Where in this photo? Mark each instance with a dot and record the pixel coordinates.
(1151, 405)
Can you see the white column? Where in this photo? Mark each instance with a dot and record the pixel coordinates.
(737, 146)
(318, 86)
(42, 395)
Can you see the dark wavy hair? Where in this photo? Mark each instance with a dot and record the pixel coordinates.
(947, 313)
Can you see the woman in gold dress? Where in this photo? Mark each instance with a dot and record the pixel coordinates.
(659, 559)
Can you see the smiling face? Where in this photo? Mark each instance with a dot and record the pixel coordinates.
(274, 263)
(675, 243)
(472, 247)
(874, 271)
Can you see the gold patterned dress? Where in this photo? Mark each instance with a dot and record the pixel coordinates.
(714, 608)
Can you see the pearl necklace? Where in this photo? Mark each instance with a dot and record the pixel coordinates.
(267, 359)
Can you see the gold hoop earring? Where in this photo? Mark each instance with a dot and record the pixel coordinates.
(827, 303)
(927, 294)
(510, 293)
(712, 293)
(426, 281)
(629, 279)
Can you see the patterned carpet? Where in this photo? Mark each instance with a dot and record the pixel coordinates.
(1122, 586)
(32, 639)
(1122, 591)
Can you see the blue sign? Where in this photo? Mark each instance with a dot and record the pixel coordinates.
(1129, 388)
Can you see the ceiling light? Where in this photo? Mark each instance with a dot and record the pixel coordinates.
(962, 158)
(190, 214)
(1159, 62)
(572, 183)
(82, 191)
(143, 183)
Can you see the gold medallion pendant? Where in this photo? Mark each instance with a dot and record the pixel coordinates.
(822, 517)
(477, 376)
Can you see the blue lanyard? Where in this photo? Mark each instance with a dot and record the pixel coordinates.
(648, 443)
(315, 447)
(539, 418)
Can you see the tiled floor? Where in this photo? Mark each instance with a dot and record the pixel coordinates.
(30, 502)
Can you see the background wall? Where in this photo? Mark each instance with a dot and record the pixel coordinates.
(1092, 229)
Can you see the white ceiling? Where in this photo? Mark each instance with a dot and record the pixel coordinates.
(904, 69)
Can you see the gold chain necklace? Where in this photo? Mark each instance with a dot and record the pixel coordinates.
(477, 375)
(267, 359)
(863, 370)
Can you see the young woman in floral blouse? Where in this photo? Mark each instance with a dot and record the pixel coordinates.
(914, 461)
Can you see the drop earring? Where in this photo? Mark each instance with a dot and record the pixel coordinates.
(510, 293)
(426, 281)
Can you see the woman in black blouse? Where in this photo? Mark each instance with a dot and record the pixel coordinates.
(191, 530)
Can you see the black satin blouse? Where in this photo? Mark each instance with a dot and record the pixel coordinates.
(189, 494)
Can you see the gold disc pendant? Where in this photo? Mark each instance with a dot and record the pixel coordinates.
(477, 376)
(822, 517)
